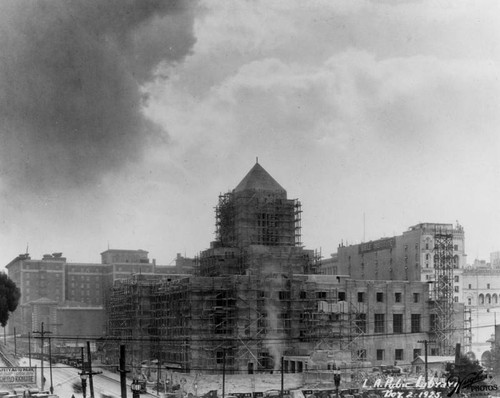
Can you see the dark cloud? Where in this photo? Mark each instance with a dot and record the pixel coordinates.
(70, 84)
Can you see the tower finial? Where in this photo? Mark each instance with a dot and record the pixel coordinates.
(257, 160)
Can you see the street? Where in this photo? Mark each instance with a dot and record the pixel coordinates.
(64, 376)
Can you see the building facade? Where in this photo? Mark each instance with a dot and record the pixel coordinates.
(410, 256)
(76, 287)
(257, 297)
(481, 295)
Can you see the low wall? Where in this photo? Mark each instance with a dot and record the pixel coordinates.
(201, 384)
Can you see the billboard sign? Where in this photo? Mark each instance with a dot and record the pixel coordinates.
(17, 376)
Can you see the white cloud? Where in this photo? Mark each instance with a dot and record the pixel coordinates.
(383, 108)
(368, 125)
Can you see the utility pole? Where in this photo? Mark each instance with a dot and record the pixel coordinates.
(42, 335)
(90, 372)
(426, 342)
(123, 373)
(50, 367)
(224, 373)
(282, 376)
(29, 348)
(426, 363)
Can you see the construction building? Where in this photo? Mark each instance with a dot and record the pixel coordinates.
(55, 291)
(427, 252)
(257, 301)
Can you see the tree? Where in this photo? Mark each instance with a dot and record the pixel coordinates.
(464, 367)
(9, 298)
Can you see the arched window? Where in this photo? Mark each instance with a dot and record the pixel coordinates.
(488, 299)
(481, 299)
(469, 301)
(455, 261)
(494, 298)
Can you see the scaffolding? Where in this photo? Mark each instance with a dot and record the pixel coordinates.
(244, 323)
(443, 327)
(242, 220)
(130, 318)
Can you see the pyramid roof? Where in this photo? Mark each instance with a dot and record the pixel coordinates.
(258, 179)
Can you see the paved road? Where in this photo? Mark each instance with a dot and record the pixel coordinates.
(64, 376)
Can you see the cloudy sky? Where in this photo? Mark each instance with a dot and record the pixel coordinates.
(122, 121)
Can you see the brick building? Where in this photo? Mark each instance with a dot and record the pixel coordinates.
(51, 287)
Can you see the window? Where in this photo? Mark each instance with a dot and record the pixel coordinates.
(397, 323)
(379, 323)
(470, 286)
(362, 354)
(380, 355)
(341, 296)
(360, 297)
(481, 299)
(361, 322)
(416, 353)
(426, 246)
(303, 295)
(380, 297)
(456, 289)
(415, 323)
(488, 286)
(398, 354)
(284, 295)
(455, 247)
(397, 297)
(469, 301)
(416, 297)
(457, 278)
(455, 299)
(321, 295)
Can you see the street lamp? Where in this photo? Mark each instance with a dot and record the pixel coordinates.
(336, 379)
(136, 388)
(83, 378)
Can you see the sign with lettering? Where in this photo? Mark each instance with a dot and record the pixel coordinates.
(380, 244)
(18, 375)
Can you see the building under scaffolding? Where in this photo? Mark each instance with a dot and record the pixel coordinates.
(255, 298)
(442, 295)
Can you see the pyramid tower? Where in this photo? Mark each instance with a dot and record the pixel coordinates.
(257, 212)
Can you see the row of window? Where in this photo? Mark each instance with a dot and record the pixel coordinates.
(427, 247)
(398, 297)
(397, 323)
(488, 286)
(398, 354)
(485, 299)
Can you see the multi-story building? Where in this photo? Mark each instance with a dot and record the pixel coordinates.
(257, 297)
(481, 295)
(51, 287)
(410, 256)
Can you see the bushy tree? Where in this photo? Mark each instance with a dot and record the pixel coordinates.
(464, 367)
(9, 298)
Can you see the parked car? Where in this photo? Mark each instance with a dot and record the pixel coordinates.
(391, 369)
